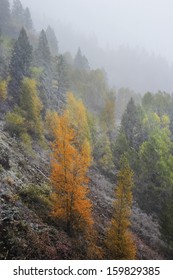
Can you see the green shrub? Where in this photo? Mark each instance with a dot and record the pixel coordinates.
(15, 123)
(37, 197)
(27, 141)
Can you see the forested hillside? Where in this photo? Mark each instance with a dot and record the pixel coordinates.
(85, 172)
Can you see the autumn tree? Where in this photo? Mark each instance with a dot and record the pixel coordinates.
(25, 120)
(3, 90)
(102, 152)
(119, 240)
(69, 168)
(31, 107)
(78, 118)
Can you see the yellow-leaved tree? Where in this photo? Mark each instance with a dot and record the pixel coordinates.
(31, 106)
(119, 240)
(69, 168)
(3, 90)
(78, 118)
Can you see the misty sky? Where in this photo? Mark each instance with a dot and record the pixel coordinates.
(144, 23)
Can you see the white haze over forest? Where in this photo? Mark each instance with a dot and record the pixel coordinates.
(131, 39)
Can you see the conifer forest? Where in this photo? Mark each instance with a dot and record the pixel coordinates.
(86, 168)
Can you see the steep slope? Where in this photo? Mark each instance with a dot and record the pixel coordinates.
(28, 232)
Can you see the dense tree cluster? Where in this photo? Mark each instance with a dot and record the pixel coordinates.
(60, 103)
(145, 137)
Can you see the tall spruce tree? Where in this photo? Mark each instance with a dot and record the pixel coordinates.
(20, 63)
(27, 19)
(52, 40)
(131, 125)
(43, 60)
(62, 70)
(43, 54)
(17, 14)
(80, 61)
(4, 16)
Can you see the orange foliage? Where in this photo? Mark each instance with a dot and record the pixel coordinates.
(68, 175)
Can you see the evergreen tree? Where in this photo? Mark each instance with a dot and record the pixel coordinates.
(60, 84)
(27, 19)
(166, 223)
(20, 63)
(43, 60)
(131, 125)
(108, 115)
(119, 241)
(43, 55)
(17, 14)
(53, 43)
(80, 61)
(156, 165)
(63, 80)
(4, 16)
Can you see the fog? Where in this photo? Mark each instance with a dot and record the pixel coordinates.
(115, 34)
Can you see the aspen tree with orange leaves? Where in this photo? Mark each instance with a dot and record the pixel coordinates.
(119, 240)
(69, 168)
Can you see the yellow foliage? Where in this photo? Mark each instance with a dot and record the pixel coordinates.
(3, 90)
(78, 118)
(31, 106)
(51, 121)
(119, 240)
(165, 121)
(27, 142)
(68, 176)
(15, 122)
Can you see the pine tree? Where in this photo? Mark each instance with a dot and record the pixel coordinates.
(27, 19)
(80, 61)
(17, 14)
(53, 43)
(119, 239)
(68, 176)
(20, 63)
(42, 59)
(108, 114)
(156, 165)
(166, 222)
(43, 55)
(131, 125)
(61, 70)
(4, 16)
